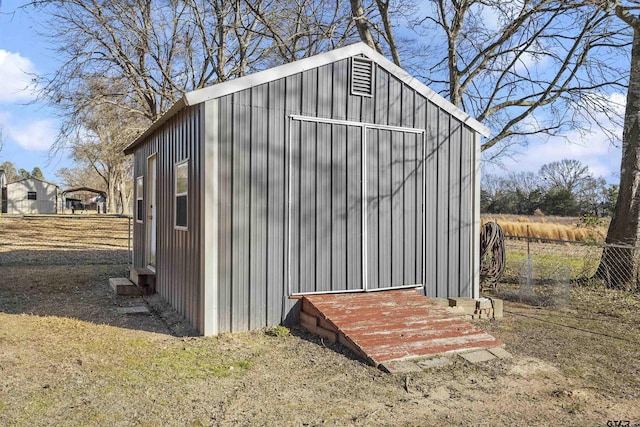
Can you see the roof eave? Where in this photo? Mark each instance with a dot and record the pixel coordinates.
(179, 105)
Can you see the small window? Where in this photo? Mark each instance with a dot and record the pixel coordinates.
(32, 195)
(182, 193)
(361, 76)
(139, 199)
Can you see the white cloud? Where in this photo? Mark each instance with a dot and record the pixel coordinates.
(31, 135)
(16, 74)
(593, 149)
(38, 135)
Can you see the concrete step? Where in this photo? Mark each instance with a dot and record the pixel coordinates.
(123, 286)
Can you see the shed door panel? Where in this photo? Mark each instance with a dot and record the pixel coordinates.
(326, 207)
(394, 191)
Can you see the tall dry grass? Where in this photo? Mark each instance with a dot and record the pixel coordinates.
(522, 226)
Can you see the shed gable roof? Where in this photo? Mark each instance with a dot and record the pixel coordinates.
(32, 179)
(221, 89)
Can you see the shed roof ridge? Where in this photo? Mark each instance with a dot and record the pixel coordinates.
(37, 179)
(218, 90)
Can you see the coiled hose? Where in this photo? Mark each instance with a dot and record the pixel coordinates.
(491, 255)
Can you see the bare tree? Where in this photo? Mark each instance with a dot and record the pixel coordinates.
(125, 62)
(99, 143)
(82, 175)
(523, 68)
(570, 175)
(155, 51)
(101, 131)
(152, 52)
(303, 28)
(363, 24)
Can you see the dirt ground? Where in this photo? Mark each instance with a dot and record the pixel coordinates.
(68, 357)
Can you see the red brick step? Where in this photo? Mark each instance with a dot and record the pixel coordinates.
(391, 325)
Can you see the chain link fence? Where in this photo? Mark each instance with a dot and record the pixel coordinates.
(48, 240)
(21, 207)
(542, 271)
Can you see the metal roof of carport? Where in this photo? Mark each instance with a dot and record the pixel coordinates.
(221, 89)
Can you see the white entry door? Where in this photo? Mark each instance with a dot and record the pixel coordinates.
(151, 212)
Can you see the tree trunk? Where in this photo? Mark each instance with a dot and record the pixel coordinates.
(111, 195)
(125, 198)
(619, 265)
(357, 10)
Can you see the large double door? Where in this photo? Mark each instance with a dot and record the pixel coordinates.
(356, 194)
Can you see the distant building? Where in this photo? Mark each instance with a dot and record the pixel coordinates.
(29, 196)
(3, 192)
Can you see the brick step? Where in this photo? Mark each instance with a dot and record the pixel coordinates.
(394, 325)
(314, 322)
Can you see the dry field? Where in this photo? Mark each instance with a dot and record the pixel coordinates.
(67, 357)
(551, 227)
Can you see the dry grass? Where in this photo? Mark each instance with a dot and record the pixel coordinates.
(549, 228)
(71, 232)
(68, 358)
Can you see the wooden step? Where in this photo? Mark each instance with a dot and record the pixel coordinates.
(385, 326)
(123, 286)
(144, 278)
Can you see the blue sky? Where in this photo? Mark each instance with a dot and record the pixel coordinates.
(30, 129)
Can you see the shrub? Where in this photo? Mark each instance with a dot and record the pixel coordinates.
(278, 331)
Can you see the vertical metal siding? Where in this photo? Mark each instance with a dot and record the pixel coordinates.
(467, 229)
(177, 270)
(17, 201)
(340, 90)
(394, 208)
(394, 101)
(431, 200)
(259, 199)
(354, 168)
(276, 234)
(442, 199)
(410, 168)
(276, 208)
(254, 132)
(420, 122)
(377, 267)
(325, 207)
(385, 199)
(225, 231)
(396, 225)
(240, 215)
(454, 287)
(381, 95)
(339, 200)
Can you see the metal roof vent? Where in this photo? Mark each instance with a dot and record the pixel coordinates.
(361, 76)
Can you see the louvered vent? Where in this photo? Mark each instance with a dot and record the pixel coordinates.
(361, 76)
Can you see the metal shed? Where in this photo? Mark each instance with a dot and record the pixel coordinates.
(335, 173)
(31, 196)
